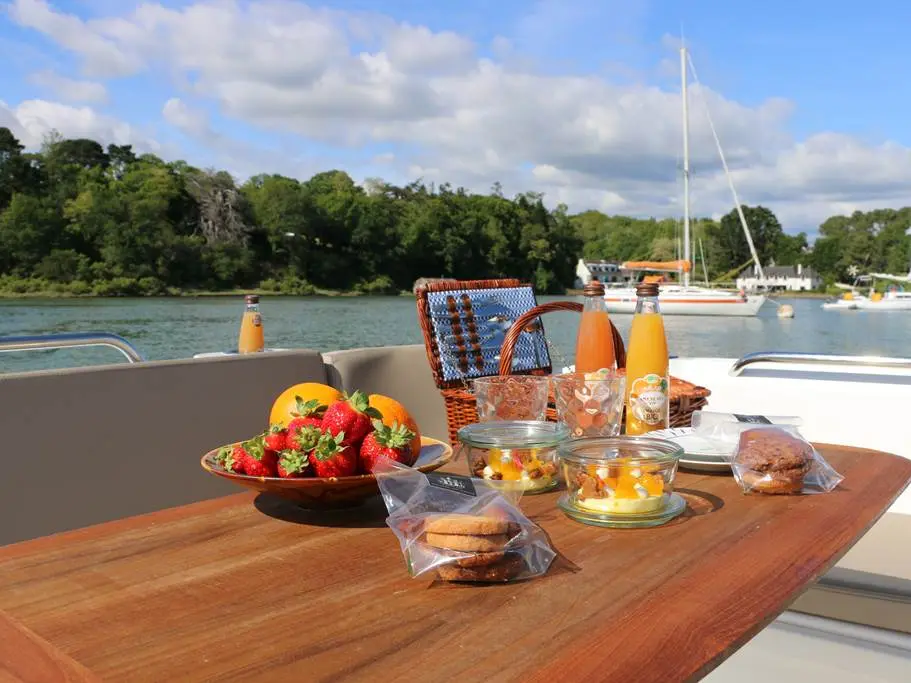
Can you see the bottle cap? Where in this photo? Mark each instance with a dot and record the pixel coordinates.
(647, 289)
(593, 288)
(252, 298)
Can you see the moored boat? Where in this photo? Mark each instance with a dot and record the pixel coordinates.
(689, 300)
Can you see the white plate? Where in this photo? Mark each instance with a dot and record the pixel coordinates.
(698, 453)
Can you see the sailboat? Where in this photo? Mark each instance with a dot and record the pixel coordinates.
(684, 298)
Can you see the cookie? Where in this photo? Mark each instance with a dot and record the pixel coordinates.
(471, 544)
(462, 559)
(781, 483)
(467, 525)
(480, 559)
(504, 570)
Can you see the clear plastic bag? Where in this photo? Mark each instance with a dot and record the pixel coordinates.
(778, 460)
(459, 528)
(721, 432)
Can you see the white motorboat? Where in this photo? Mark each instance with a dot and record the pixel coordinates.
(847, 302)
(895, 298)
(689, 299)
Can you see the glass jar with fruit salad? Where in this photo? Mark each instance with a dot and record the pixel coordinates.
(620, 481)
(515, 454)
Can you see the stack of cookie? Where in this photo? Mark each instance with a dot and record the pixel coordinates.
(476, 546)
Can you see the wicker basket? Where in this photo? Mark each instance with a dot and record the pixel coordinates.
(461, 406)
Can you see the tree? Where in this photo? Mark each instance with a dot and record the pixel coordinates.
(84, 218)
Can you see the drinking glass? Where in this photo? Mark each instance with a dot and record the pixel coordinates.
(590, 407)
(513, 397)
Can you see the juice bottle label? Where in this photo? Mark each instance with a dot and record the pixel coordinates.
(257, 320)
(648, 399)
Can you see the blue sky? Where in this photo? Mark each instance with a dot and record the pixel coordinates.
(810, 94)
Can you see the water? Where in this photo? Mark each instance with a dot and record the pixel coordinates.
(178, 328)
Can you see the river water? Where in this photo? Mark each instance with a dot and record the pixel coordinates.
(181, 327)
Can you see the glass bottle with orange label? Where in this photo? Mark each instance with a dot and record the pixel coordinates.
(595, 341)
(647, 380)
(250, 339)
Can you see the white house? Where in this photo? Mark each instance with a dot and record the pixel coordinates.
(604, 271)
(790, 278)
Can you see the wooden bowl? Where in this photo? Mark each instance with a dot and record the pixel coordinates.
(333, 492)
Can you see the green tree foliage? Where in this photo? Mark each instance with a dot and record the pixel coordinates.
(82, 218)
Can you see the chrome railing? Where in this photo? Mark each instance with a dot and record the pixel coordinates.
(71, 340)
(797, 358)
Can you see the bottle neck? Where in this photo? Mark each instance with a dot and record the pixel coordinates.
(647, 304)
(594, 303)
(252, 308)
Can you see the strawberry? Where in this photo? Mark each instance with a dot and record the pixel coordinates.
(350, 416)
(260, 462)
(307, 413)
(276, 438)
(226, 458)
(332, 457)
(392, 442)
(234, 459)
(293, 464)
(302, 438)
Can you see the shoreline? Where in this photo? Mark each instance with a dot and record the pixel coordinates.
(189, 294)
(6, 295)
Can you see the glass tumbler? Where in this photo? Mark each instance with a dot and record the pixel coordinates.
(590, 405)
(514, 455)
(513, 397)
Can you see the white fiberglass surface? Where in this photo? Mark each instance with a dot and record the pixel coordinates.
(853, 406)
(787, 653)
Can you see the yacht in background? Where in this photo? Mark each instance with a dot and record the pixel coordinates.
(684, 298)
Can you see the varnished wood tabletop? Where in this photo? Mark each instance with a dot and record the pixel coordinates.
(249, 589)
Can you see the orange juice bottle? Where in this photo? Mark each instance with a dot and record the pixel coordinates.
(595, 342)
(251, 338)
(647, 380)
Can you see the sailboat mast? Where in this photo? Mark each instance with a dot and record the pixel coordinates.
(686, 167)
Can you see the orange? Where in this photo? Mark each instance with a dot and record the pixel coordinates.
(286, 403)
(393, 411)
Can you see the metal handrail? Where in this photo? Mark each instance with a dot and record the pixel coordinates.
(794, 358)
(71, 340)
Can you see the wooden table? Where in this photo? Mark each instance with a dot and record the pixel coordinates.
(241, 590)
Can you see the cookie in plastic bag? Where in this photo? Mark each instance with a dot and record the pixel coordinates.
(460, 529)
(776, 460)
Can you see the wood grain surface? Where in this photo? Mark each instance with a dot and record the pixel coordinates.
(248, 588)
(26, 658)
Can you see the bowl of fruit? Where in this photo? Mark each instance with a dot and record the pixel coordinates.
(321, 446)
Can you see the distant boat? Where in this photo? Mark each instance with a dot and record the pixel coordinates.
(684, 298)
(895, 298)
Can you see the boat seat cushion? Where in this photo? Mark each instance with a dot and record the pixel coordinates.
(89, 445)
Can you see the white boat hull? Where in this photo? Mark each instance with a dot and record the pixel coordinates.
(886, 304)
(840, 305)
(696, 303)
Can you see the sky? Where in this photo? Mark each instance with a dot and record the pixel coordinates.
(577, 99)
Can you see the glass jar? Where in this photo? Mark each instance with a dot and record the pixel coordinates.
(514, 454)
(620, 481)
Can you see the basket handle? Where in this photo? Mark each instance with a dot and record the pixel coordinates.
(512, 336)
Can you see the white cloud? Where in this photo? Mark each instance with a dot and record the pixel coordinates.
(102, 57)
(185, 118)
(31, 120)
(70, 90)
(355, 79)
